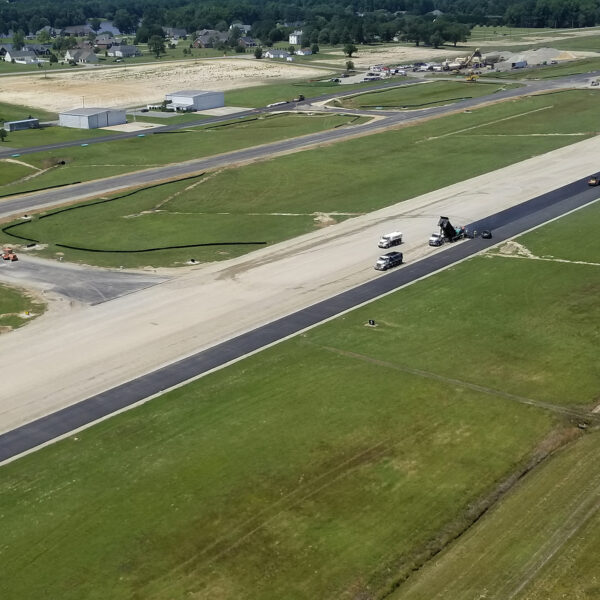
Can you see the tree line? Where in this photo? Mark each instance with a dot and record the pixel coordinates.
(324, 21)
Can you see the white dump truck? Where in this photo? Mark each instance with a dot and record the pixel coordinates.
(390, 239)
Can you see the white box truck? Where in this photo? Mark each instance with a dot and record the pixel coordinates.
(390, 239)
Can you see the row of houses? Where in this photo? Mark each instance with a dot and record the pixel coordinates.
(285, 55)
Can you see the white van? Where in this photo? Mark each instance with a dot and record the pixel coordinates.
(390, 239)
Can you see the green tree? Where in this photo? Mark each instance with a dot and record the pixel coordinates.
(3, 134)
(44, 37)
(53, 58)
(156, 45)
(291, 49)
(95, 24)
(315, 49)
(349, 50)
(18, 40)
(349, 65)
(258, 52)
(436, 39)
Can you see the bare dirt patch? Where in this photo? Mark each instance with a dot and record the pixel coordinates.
(137, 85)
(387, 55)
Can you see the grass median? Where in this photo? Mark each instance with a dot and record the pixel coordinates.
(422, 95)
(332, 465)
(123, 156)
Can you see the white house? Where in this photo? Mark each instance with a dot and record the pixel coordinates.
(91, 118)
(296, 37)
(21, 57)
(195, 100)
(80, 55)
(304, 52)
(123, 51)
(276, 54)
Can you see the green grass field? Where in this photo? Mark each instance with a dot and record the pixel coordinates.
(14, 306)
(329, 466)
(574, 67)
(541, 542)
(14, 112)
(257, 96)
(420, 95)
(381, 165)
(112, 158)
(51, 135)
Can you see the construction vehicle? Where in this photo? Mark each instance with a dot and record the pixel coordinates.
(594, 180)
(9, 254)
(447, 233)
(389, 260)
(471, 78)
(474, 60)
(390, 239)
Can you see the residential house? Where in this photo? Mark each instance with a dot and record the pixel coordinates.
(208, 38)
(296, 37)
(124, 51)
(82, 56)
(243, 29)
(39, 49)
(274, 53)
(77, 30)
(104, 42)
(304, 52)
(246, 42)
(4, 48)
(21, 57)
(175, 33)
(50, 30)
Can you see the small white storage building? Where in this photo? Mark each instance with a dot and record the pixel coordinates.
(91, 118)
(196, 99)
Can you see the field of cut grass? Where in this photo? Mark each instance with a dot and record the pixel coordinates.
(381, 168)
(541, 542)
(112, 158)
(556, 240)
(254, 97)
(10, 172)
(14, 112)
(14, 306)
(51, 135)
(330, 466)
(575, 67)
(420, 95)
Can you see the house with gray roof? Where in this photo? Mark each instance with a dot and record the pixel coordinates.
(21, 57)
(124, 51)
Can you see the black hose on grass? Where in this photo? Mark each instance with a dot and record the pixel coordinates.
(7, 229)
(162, 248)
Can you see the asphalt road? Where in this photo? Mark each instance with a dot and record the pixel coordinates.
(83, 284)
(505, 224)
(30, 202)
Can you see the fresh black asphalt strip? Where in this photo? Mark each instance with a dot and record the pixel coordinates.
(503, 225)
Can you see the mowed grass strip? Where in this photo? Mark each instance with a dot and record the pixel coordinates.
(295, 474)
(15, 112)
(113, 158)
(541, 542)
(264, 201)
(302, 471)
(420, 95)
(17, 307)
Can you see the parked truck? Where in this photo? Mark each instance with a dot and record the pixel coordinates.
(447, 233)
(389, 260)
(390, 239)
